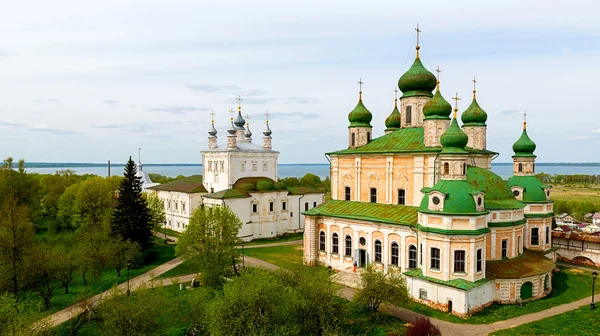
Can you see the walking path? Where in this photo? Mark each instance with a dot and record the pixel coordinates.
(291, 242)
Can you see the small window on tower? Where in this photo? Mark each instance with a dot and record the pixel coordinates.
(401, 196)
(373, 195)
(353, 139)
(408, 119)
(347, 193)
(520, 167)
(368, 136)
(446, 168)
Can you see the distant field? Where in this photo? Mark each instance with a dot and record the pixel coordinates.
(576, 192)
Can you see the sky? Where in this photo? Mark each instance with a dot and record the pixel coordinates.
(90, 81)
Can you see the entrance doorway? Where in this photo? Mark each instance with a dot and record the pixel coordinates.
(526, 291)
(362, 258)
(450, 306)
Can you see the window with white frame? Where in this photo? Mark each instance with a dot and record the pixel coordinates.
(479, 260)
(209, 167)
(216, 177)
(322, 241)
(183, 207)
(265, 166)
(254, 208)
(243, 165)
(373, 195)
(378, 249)
(504, 248)
(535, 236)
(547, 235)
(335, 243)
(271, 206)
(459, 261)
(412, 257)
(176, 204)
(401, 196)
(347, 193)
(284, 205)
(435, 259)
(348, 246)
(254, 166)
(222, 166)
(421, 254)
(395, 254)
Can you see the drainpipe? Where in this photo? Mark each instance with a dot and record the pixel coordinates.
(299, 212)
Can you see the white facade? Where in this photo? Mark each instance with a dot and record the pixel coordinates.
(178, 207)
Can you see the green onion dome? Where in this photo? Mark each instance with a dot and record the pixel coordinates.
(474, 115)
(524, 147)
(392, 122)
(437, 107)
(360, 116)
(454, 139)
(417, 81)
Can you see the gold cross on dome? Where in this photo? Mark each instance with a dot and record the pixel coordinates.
(360, 83)
(456, 99)
(395, 94)
(525, 119)
(247, 119)
(474, 83)
(418, 32)
(267, 114)
(231, 113)
(212, 116)
(239, 99)
(438, 73)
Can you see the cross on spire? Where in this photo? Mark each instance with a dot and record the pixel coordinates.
(239, 99)
(456, 99)
(395, 97)
(525, 119)
(438, 78)
(267, 114)
(474, 86)
(139, 154)
(247, 119)
(418, 33)
(360, 83)
(231, 113)
(212, 116)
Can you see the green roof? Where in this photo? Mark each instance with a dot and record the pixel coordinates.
(498, 195)
(404, 140)
(228, 193)
(302, 191)
(454, 140)
(474, 115)
(417, 81)
(463, 284)
(392, 122)
(437, 107)
(533, 188)
(528, 264)
(360, 116)
(459, 197)
(375, 212)
(192, 184)
(524, 147)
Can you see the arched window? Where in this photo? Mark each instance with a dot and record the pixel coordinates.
(348, 246)
(520, 167)
(322, 241)
(412, 256)
(464, 168)
(395, 254)
(368, 136)
(353, 139)
(408, 118)
(335, 243)
(377, 250)
(446, 168)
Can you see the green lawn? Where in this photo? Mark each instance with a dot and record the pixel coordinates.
(161, 233)
(186, 267)
(107, 279)
(582, 321)
(287, 256)
(569, 285)
(283, 238)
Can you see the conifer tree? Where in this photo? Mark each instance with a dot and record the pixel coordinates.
(131, 217)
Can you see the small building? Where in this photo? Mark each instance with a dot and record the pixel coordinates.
(596, 218)
(578, 248)
(564, 218)
(181, 198)
(591, 228)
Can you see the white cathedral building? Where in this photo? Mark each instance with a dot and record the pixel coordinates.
(242, 176)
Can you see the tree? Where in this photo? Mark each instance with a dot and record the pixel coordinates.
(310, 180)
(157, 210)
(15, 182)
(122, 252)
(210, 240)
(131, 217)
(53, 186)
(377, 287)
(16, 241)
(132, 315)
(67, 263)
(44, 265)
(20, 318)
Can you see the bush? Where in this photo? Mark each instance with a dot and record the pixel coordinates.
(265, 185)
(422, 327)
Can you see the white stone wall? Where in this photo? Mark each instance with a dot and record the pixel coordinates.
(233, 165)
(526, 164)
(417, 115)
(179, 207)
(438, 295)
(362, 136)
(477, 136)
(433, 130)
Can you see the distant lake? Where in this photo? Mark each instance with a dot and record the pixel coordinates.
(285, 170)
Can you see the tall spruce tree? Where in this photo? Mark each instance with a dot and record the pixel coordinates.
(131, 217)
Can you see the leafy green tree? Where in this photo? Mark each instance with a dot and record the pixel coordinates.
(131, 218)
(67, 264)
(16, 242)
(310, 180)
(209, 241)
(20, 318)
(93, 250)
(52, 187)
(377, 287)
(132, 315)
(257, 303)
(44, 265)
(157, 210)
(122, 252)
(15, 182)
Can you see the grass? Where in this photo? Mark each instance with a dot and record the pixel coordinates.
(582, 321)
(286, 256)
(283, 238)
(186, 267)
(569, 285)
(105, 281)
(576, 192)
(170, 232)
